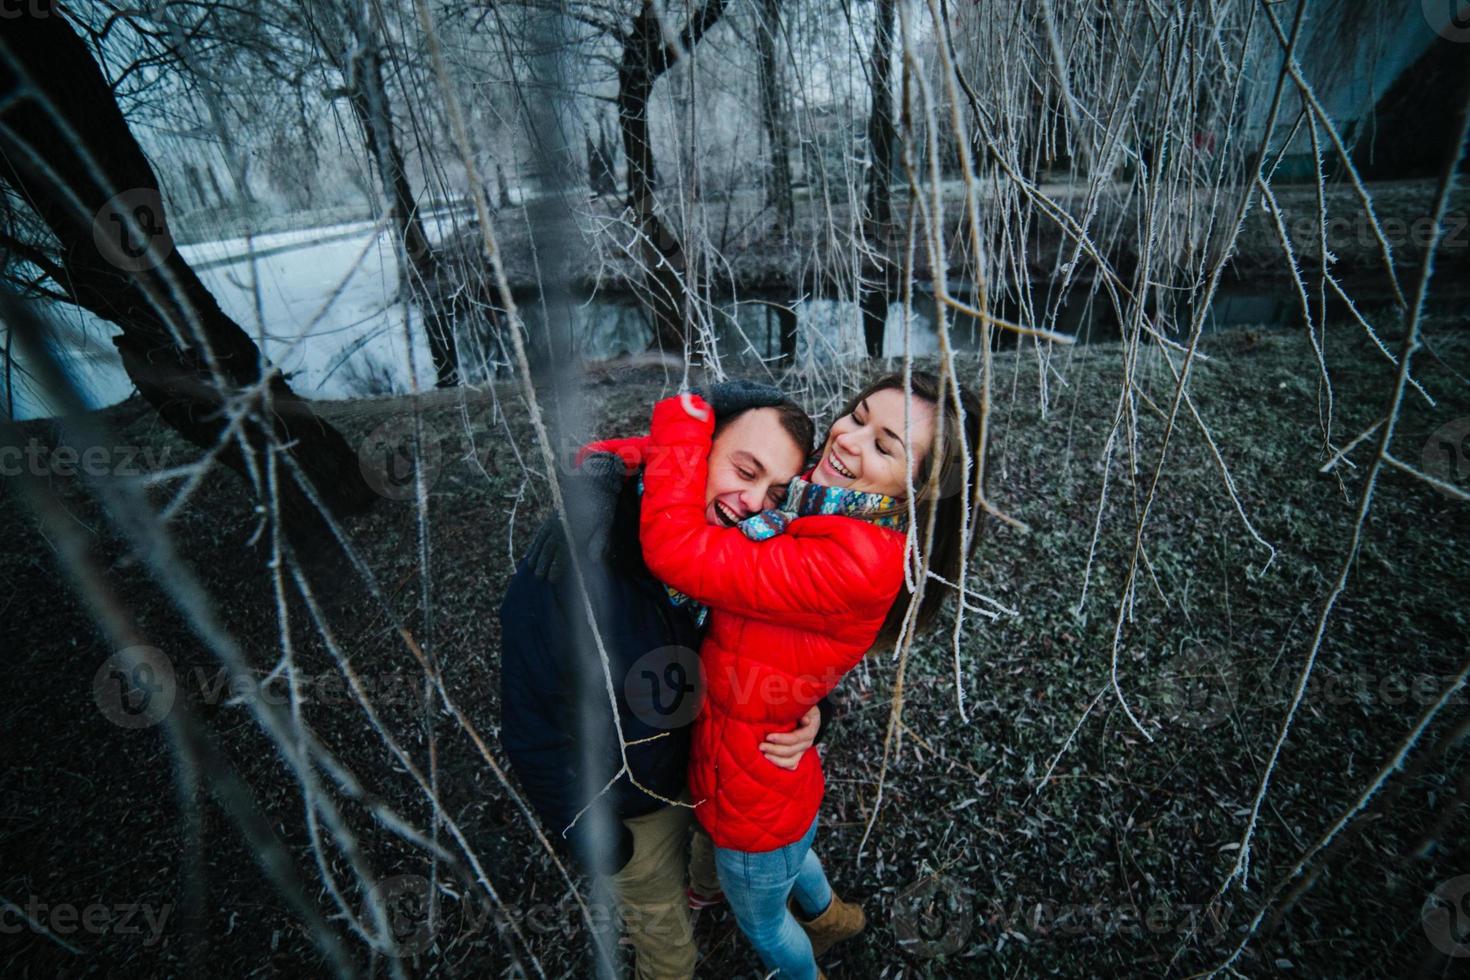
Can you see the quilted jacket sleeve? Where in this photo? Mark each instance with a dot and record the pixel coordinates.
(821, 566)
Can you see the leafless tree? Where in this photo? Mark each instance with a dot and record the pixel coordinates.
(67, 155)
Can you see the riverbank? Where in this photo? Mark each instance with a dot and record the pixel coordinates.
(816, 255)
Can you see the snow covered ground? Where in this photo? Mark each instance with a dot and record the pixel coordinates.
(318, 307)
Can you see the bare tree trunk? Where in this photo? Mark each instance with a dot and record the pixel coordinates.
(786, 321)
(778, 181)
(195, 183)
(363, 72)
(47, 154)
(601, 174)
(504, 188)
(876, 293)
(609, 158)
(219, 192)
(646, 56)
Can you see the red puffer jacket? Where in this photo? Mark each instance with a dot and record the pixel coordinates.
(788, 618)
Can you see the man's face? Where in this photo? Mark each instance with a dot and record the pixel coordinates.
(751, 461)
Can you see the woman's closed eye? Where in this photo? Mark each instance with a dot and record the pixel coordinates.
(878, 442)
(882, 450)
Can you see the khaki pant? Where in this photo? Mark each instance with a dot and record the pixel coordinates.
(650, 890)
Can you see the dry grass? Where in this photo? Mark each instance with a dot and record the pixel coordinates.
(1098, 873)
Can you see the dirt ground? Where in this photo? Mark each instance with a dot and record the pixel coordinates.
(974, 867)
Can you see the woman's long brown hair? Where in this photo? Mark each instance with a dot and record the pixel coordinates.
(939, 494)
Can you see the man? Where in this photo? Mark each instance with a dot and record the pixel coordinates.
(613, 802)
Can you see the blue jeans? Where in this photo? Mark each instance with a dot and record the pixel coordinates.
(756, 884)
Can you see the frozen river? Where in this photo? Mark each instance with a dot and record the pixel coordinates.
(325, 313)
(322, 305)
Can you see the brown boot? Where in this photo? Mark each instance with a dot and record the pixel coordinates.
(842, 920)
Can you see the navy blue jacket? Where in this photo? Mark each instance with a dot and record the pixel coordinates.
(556, 724)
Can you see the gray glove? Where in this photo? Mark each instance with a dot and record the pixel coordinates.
(734, 396)
(591, 497)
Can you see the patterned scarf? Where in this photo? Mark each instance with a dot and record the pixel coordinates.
(804, 499)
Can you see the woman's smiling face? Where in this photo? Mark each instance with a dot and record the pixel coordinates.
(865, 450)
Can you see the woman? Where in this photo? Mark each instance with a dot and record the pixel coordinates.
(796, 597)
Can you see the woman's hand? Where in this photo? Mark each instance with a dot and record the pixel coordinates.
(785, 749)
